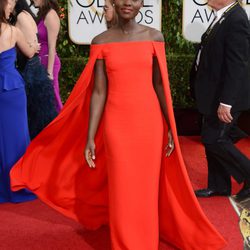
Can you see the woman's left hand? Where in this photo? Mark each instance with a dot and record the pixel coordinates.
(50, 75)
(170, 146)
(35, 45)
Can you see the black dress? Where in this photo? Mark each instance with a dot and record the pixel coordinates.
(41, 102)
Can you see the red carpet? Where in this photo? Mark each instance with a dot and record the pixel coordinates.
(34, 226)
(218, 209)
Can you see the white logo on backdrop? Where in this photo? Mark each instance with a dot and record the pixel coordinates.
(197, 16)
(86, 19)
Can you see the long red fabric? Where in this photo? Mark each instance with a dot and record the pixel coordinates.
(54, 168)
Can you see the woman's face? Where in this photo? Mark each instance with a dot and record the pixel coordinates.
(108, 10)
(38, 3)
(128, 9)
(8, 9)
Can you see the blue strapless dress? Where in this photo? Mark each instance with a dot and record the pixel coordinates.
(14, 135)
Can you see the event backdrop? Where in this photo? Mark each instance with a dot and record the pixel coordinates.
(86, 19)
(197, 16)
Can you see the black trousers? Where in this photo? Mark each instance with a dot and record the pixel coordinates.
(223, 158)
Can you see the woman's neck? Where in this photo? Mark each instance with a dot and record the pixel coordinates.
(127, 27)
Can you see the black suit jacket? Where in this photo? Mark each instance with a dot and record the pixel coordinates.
(223, 73)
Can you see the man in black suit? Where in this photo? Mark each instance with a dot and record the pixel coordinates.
(220, 80)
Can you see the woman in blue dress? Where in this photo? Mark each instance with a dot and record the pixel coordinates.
(14, 134)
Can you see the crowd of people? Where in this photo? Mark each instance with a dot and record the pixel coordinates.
(133, 177)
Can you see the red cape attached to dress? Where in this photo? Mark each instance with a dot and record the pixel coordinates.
(54, 168)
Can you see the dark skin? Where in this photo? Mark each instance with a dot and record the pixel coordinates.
(125, 30)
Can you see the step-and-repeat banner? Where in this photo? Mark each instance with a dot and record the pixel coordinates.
(86, 18)
(197, 16)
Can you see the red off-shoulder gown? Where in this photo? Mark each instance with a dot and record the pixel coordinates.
(135, 189)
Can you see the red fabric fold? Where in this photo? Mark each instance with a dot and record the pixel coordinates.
(54, 168)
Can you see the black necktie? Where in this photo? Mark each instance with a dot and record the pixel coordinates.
(210, 27)
(206, 33)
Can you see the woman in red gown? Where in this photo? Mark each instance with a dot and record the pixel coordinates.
(119, 111)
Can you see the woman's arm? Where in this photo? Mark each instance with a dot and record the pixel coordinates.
(27, 49)
(158, 86)
(157, 80)
(28, 26)
(52, 23)
(97, 104)
(159, 89)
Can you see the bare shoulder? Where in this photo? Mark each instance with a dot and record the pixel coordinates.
(104, 37)
(9, 31)
(9, 36)
(25, 19)
(14, 30)
(16, 33)
(52, 21)
(22, 16)
(51, 16)
(7, 28)
(156, 35)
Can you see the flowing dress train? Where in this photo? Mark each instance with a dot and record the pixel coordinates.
(135, 189)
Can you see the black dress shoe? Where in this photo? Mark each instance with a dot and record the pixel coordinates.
(243, 193)
(210, 192)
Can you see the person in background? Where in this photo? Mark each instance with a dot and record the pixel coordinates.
(14, 134)
(220, 79)
(41, 102)
(110, 14)
(48, 30)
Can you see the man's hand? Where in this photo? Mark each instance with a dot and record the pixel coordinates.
(224, 113)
